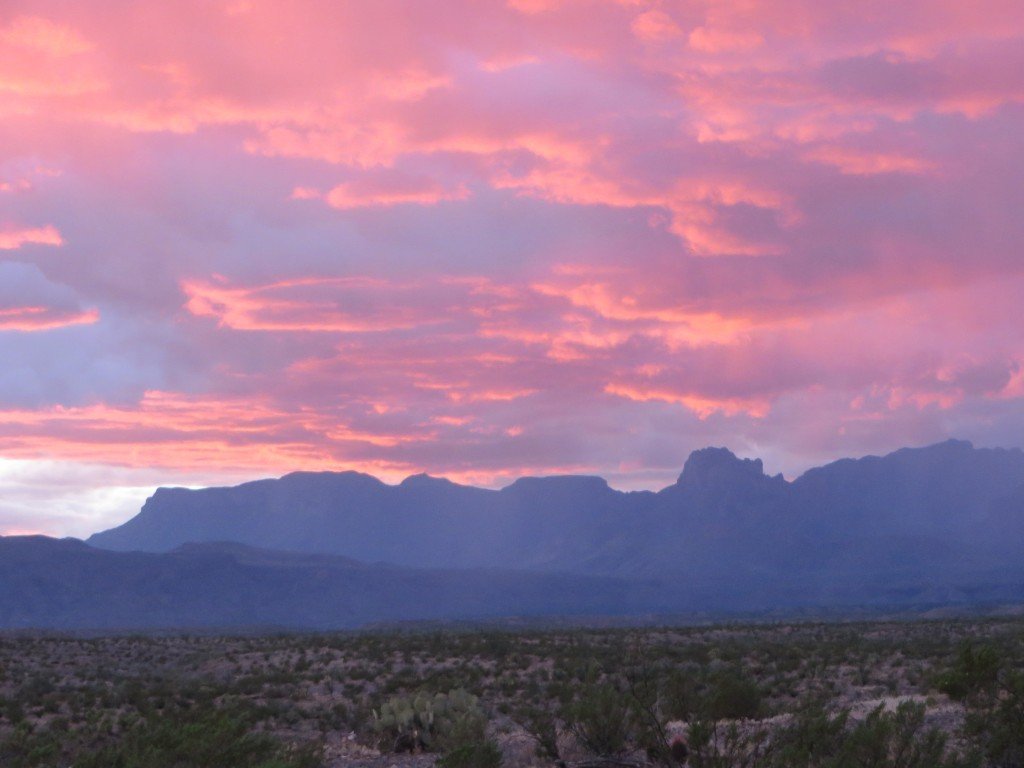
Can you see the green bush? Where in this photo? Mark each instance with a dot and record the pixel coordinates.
(680, 695)
(975, 671)
(25, 747)
(203, 737)
(542, 725)
(714, 745)
(996, 726)
(884, 739)
(732, 695)
(814, 737)
(602, 719)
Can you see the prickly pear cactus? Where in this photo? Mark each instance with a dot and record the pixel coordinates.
(424, 723)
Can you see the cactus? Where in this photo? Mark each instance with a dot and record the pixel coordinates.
(424, 723)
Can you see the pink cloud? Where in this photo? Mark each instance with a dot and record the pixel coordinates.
(184, 433)
(388, 188)
(12, 238)
(712, 40)
(655, 25)
(523, 236)
(297, 305)
(702, 406)
(857, 163)
(29, 302)
(29, 319)
(37, 33)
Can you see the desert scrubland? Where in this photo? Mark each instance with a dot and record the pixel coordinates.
(905, 694)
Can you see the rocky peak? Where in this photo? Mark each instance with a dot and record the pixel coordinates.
(718, 466)
(423, 481)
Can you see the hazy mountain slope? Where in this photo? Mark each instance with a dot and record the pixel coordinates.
(65, 584)
(946, 489)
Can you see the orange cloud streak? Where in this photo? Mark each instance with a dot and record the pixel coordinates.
(265, 309)
(40, 34)
(12, 238)
(702, 406)
(29, 319)
(349, 196)
(172, 430)
(858, 163)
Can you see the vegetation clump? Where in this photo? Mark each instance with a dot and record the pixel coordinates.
(424, 723)
(452, 723)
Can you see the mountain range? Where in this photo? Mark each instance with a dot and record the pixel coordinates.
(65, 584)
(921, 526)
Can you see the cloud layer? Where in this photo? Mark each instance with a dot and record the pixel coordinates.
(484, 239)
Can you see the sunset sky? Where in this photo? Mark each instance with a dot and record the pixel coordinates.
(484, 239)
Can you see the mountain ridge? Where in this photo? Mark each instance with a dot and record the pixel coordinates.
(723, 520)
(936, 526)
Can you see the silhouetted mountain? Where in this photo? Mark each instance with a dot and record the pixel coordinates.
(66, 584)
(422, 522)
(947, 489)
(919, 520)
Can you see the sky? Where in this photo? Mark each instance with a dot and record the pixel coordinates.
(484, 239)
